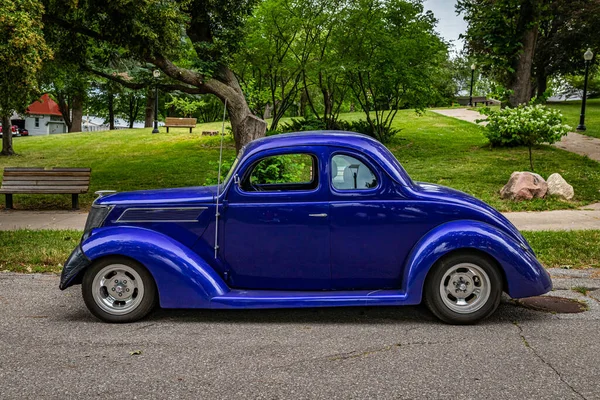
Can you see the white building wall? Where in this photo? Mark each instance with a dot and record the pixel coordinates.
(41, 129)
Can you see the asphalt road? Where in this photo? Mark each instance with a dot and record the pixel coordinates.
(50, 347)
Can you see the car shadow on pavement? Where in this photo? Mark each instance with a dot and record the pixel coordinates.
(508, 311)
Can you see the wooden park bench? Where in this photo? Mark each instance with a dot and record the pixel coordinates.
(464, 101)
(73, 181)
(171, 122)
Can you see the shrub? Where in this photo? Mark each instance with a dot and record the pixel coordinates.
(524, 126)
(302, 125)
(379, 132)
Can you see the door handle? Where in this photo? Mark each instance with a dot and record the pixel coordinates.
(323, 215)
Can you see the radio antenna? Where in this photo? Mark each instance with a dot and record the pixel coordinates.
(217, 214)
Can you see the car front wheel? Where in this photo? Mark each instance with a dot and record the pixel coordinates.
(463, 288)
(117, 289)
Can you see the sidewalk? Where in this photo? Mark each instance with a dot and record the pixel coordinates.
(12, 220)
(573, 142)
(588, 217)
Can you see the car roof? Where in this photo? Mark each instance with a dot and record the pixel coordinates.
(341, 139)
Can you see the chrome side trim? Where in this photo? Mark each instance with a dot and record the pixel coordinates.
(123, 218)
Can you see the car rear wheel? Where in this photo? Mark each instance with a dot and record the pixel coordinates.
(463, 288)
(117, 289)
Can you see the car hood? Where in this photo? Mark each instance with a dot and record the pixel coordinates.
(431, 191)
(175, 196)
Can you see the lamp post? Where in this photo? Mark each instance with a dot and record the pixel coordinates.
(587, 56)
(156, 75)
(472, 77)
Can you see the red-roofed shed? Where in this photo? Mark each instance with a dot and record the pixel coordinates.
(44, 106)
(43, 117)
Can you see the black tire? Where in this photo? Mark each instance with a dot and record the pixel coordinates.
(124, 269)
(457, 280)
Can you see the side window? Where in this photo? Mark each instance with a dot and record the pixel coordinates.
(348, 173)
(37, 122)
(287, 172)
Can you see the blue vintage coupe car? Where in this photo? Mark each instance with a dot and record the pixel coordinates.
(315, 219)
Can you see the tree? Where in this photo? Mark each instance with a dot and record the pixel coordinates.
(22, 52)
(271, 33)
(389, 58)
(190, 41)
(565, 34)
(502, 36)
(68, 87)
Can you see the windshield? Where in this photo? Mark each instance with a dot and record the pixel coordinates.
(233, 167)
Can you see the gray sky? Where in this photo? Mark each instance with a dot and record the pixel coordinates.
(449, 24)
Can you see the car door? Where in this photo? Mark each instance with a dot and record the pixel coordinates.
(276, 223)
(367, 238)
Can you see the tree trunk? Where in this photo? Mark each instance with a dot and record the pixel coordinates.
(303, 101)
(77, 113)
(521, 83)
(328, 104)
(245, 126)
(7, 149)
(65, 109)
(542, 84)
(111, 110)
(149, 118)
(268, 111)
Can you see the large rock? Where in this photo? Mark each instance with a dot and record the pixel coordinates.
(557, 186)
(524, 186)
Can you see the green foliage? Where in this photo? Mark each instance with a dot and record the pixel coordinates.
(282, 169)
(214, 166)
(524, 126)
(184, 105)
(206, 108)
(382, 133)
(22, 52)
(389, 57)
(302, 125)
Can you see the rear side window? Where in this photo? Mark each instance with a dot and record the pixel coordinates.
(348, 173)
(289, 172)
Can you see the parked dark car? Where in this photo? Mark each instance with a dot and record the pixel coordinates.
(24, 132)
(348, 228)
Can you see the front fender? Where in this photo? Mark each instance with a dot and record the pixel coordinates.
(525, 276)
(182, 277)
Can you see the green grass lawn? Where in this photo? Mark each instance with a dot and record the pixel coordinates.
(575, 249)
(431, 147)
(572, 111)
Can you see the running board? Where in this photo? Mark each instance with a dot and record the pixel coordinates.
(295, 299)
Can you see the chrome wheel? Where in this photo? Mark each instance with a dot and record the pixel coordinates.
(117, 289)
(465, 288)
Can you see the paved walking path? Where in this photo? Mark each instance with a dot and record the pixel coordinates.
(573, 142)
(588, 217)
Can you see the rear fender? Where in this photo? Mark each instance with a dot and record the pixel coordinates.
(182, 277)
(525, 276)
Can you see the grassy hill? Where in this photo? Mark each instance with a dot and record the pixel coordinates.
(431, 147)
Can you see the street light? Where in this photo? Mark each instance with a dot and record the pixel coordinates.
(156, 75)
(588, 55)
(471, 93)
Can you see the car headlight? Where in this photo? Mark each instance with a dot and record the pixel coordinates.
(95, 219)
